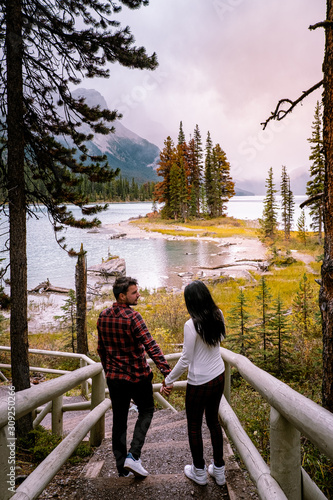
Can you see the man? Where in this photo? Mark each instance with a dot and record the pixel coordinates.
(123, 339)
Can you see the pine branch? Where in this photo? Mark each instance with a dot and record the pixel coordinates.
(310, 200)
(279, 114)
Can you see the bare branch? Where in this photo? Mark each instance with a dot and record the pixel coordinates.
(279, 114)
(322, 24)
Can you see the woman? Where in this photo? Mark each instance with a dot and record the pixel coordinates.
(203, 333)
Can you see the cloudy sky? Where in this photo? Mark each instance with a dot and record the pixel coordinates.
(224, 64)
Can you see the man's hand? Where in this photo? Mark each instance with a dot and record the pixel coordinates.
(166, 390)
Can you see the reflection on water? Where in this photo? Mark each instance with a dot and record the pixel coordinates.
(154, 262)
(157, 263)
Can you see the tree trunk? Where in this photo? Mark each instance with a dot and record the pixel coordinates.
(17, 206)
(326, 291)
(81, 302)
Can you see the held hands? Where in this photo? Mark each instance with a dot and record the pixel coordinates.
(166, 390)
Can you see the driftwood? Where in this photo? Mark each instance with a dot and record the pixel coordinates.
(239, 263)
(46, 286)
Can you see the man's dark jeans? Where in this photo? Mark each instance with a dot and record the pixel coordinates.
(121, 394)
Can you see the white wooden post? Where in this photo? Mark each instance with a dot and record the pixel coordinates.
(57, 416)
(84, 384)
(97, 432)
(7, 478)
(285, 455)
(227, 381)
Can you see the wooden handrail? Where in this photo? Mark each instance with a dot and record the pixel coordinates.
(315, 422)
(291, 413)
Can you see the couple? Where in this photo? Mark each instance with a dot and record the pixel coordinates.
(123, 340)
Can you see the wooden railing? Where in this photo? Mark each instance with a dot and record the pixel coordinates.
(23, 402)
(291, 415)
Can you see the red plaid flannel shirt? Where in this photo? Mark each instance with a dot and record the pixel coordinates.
(123, 338)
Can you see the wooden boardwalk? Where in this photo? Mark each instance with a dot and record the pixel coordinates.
(164, 455)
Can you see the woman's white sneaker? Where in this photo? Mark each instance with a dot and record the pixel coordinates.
(199, 476)
(218, 473)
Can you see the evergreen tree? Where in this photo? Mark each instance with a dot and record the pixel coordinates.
(238, 321)
(264, 296)
(290, 208)
(162, 189)
(174, 192)
(181, 135)
(194, 184)
(306, 311)
(301, 227)
(226, 186)
(280, 327)
(315, 186)
(46, 47)
(215, 187)
(287, 203)
(198, 169)
(183, 187)
(268, 222)
(209, 175)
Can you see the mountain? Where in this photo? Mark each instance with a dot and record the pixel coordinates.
(298, 180)
(134, 156)
(242, 192)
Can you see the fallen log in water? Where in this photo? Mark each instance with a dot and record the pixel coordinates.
(237, 264)
(46, 286)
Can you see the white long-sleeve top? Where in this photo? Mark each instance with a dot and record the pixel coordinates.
(204, 362)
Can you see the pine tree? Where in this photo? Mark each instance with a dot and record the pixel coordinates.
(238, 320)
(264, 296)
(162, 189)
(174, 204)
(181, 135)
(315, 186)
(183, 187)
(46, 47)
(226, 186)
(287, 203)
(268, 222)
(290, 208)
(209, 175)
(306, 309)
(280, 328)
(194, 181)
(198, 169)
(68, 319)
(301, 228)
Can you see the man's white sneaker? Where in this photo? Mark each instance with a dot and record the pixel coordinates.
(135, 466)
(217, 473)
(199, 476)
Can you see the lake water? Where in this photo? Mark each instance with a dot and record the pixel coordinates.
(154, 262)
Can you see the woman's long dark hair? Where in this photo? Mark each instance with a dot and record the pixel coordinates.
(207, 317)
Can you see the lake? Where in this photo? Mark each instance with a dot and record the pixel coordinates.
(154, 262)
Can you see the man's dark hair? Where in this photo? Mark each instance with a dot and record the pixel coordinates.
(122, 284)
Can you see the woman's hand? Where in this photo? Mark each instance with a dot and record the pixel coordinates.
(166, 390)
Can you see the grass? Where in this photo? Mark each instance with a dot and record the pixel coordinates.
(38, 444)
(221, 227)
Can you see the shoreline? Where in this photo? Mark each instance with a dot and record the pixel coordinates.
(237, 264)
